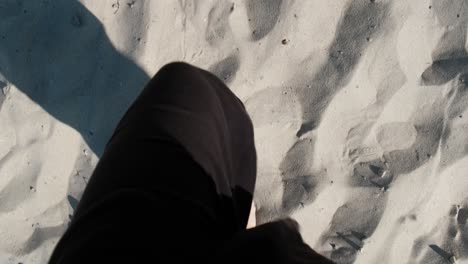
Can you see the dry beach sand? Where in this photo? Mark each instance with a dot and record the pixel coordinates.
(359, 108)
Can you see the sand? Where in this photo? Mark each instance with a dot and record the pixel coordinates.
(359, 108)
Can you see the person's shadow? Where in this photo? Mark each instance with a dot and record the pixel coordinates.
(58, 54)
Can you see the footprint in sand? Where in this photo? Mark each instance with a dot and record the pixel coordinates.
(447, 242)
(227, 68)
(301, 184)
(352, 224)
(419, 141)
(263, 16)
(376, 173)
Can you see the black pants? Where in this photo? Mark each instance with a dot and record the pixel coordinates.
(150, 196)
(175, 184)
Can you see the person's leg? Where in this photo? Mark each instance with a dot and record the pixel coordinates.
(179, 171)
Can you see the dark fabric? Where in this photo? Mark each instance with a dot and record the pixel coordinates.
(175, 184)
(180, 167)
(177, 217)
(195, 109)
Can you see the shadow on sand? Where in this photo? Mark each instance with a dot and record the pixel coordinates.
(58, 54)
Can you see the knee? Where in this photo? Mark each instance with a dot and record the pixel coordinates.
(173, 79)
(178, 68)
(178, 73)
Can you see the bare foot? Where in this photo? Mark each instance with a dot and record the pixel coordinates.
(252, 220)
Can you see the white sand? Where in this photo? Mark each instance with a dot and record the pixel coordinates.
(360, 110)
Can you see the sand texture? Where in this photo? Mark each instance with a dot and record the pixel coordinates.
(359, 108)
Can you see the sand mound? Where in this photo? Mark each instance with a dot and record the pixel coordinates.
(359, 109)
